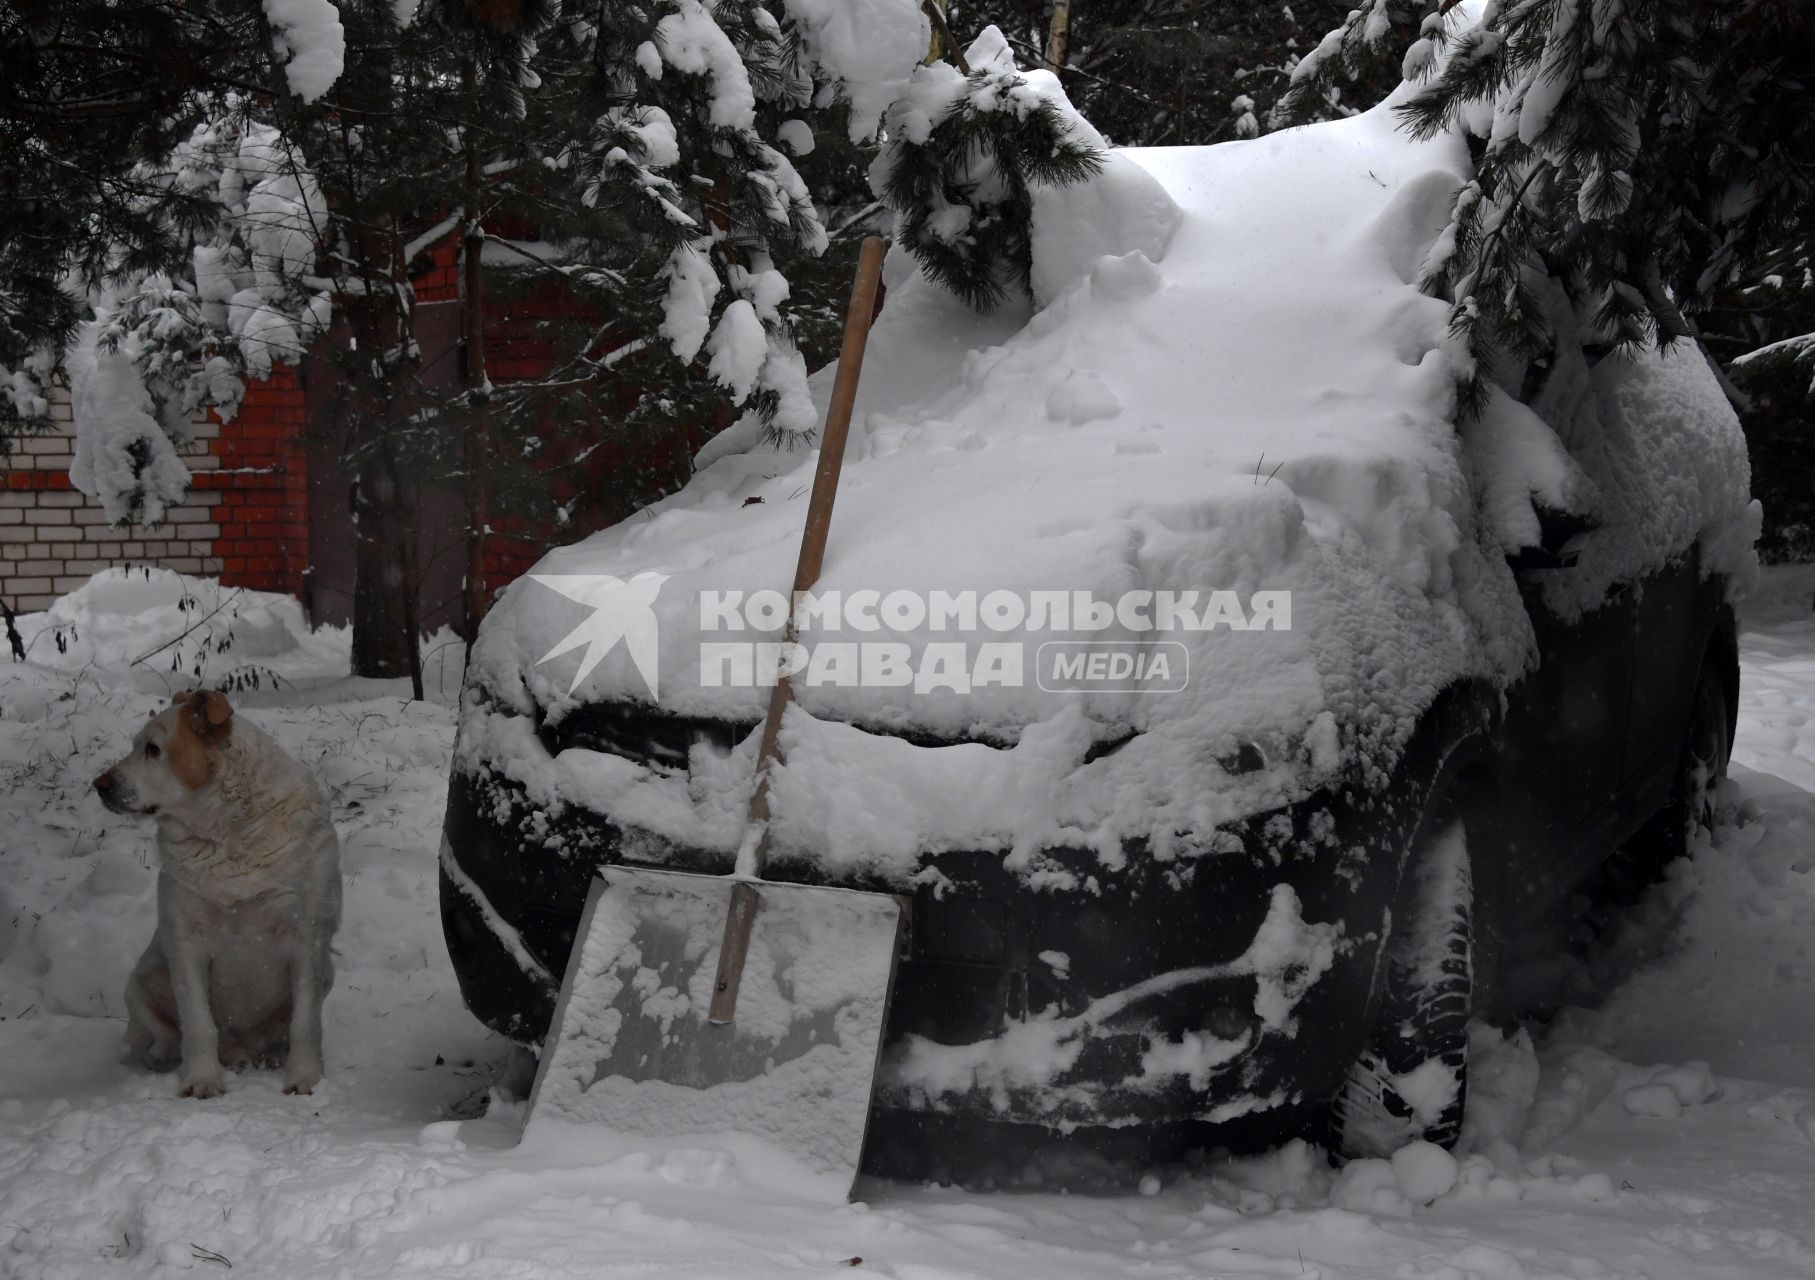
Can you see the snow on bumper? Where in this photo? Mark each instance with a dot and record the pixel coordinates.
(1204, 1036)
(1076, 986)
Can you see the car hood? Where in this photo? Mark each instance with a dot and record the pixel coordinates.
(1229, 383)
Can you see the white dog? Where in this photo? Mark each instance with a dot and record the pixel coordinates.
(248, 899)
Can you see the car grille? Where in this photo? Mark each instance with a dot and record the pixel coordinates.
(637, 733)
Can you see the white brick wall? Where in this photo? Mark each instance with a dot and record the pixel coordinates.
(52, 540)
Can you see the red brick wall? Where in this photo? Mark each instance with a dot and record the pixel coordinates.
(244, 519)
(263, 481)
(439, 281)
(53, 538)
(247, 516)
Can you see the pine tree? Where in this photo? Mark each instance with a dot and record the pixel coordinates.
(242, 220)
(1648, 155)
(95, 98)
(275, 216)
(653, 164)
(1176, 72)
(967, 145)
(663, 212)
(1764, 333)
(385, 147)
(640, 142)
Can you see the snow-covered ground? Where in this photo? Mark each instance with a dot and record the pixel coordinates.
(1667, 1132)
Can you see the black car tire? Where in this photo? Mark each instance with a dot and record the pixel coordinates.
(1410, 1080)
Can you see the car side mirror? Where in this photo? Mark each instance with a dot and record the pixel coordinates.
(1561, 535)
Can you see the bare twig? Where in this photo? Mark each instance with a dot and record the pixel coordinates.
(12, 632)
(209, 1255)
(856, 219)
(194, 627)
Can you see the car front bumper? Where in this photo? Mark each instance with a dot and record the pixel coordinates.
(1207, 991)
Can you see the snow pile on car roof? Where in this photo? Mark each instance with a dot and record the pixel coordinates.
(1230, 384)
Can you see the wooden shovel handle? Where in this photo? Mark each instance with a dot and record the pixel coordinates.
(819, 511)
(741, 917)
(838, 413)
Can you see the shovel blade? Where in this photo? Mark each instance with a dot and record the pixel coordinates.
(787, 1084)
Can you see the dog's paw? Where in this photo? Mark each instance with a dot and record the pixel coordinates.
(202, 1086)
(302, 1079)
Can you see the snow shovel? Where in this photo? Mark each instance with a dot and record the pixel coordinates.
(732, 1011)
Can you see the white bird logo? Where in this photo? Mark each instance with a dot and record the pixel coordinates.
(621, 610)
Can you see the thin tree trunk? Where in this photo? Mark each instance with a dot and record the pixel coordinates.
(479, 388)
(943, 44)
(1058, 35)
(412, 577)
(384, 632)
(386, 575)
(1184, 83)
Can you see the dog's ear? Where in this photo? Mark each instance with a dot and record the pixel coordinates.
(209, 714)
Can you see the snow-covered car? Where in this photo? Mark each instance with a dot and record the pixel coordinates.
(1425, 672)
